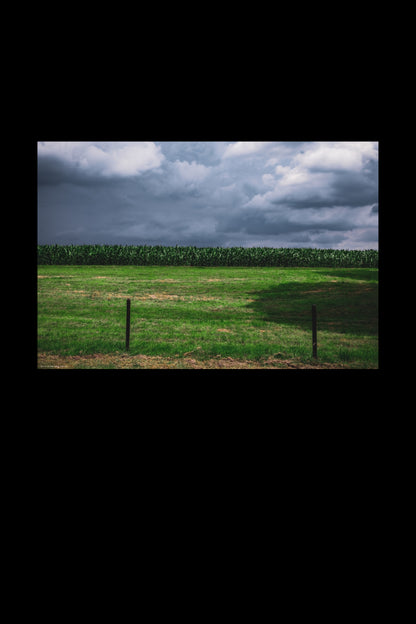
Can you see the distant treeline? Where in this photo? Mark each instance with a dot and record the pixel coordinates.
(205, 256)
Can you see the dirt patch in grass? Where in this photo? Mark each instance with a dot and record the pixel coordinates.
(199, 298)
(53, 276)
(157, 296)
(141, 361)
(114, 295)
(227, 279)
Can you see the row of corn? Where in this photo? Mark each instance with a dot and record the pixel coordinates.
(205, 256)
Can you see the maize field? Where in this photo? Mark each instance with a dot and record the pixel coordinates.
(159, 255)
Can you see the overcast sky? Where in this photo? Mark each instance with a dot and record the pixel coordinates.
(269, 194)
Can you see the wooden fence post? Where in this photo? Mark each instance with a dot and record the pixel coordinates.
(128, 325)
(314, 339)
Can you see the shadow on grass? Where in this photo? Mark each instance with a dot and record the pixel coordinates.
(342, 307)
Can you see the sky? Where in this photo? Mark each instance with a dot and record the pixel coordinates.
(209, 194)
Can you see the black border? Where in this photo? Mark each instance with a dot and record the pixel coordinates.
(227, 119)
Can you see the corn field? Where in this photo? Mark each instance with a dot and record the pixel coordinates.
(160, 255)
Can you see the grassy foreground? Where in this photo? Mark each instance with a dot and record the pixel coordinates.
(206, 317)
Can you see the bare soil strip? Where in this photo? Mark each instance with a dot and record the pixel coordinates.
(124, 360)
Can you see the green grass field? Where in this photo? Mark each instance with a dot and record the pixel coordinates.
(206, 317)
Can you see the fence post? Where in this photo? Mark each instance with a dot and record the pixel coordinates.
(314, 340)
(128, 325)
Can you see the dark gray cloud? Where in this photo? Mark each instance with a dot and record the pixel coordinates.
(209, 193)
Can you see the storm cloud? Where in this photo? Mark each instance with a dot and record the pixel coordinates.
(276, 194)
